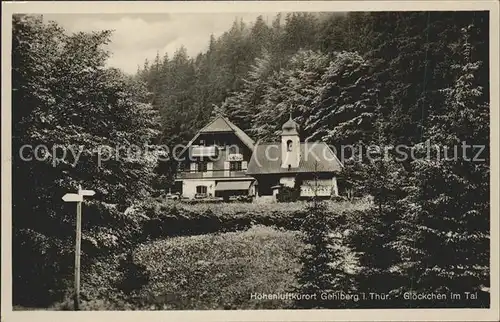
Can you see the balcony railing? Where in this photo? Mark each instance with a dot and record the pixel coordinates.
(203, 151)
(211, 174)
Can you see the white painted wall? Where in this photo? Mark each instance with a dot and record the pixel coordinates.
(252, 191)
(189, 187)
(335, 188)
(288, 181)
(291, 158)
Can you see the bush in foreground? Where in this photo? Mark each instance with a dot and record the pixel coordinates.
(323, 263)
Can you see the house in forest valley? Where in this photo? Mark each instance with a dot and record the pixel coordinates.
(223, 161)
(214, 162)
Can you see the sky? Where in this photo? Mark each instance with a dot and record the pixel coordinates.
(137, 37)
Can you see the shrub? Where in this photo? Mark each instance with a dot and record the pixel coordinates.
(288, 194)
(339, 198)
(135, 276)
(50, 257)
(182, 219)
(94, 304)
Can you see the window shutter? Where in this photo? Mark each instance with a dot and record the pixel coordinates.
(226, 168)
(193, 167)
(244, 165)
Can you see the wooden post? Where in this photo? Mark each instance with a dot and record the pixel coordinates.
(78, 198)
(78, 251)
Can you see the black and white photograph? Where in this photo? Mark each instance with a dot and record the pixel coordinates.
(251, 160)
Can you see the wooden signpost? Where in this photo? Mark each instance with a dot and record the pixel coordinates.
(78, 198)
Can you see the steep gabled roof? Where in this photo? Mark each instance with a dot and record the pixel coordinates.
(248, 141)
(315, 157)
(220, 125)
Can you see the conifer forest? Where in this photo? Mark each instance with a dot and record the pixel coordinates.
(403, 233)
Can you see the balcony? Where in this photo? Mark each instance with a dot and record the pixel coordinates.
(203, 151)
(211, 174)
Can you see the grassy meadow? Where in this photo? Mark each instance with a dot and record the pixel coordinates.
(220, 271)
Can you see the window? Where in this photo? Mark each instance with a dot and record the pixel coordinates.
(202, 166)
(289, 145)
(201, 189)
(235, 165)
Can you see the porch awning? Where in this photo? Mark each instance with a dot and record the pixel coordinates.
(232, 185)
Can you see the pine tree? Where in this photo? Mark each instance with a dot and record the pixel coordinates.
(260, 36)
(344, 111)
(323, 268)
(448, 211)
(290, 90)
(377, 231)
(240, 106)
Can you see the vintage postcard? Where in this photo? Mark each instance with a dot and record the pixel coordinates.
(237, 161)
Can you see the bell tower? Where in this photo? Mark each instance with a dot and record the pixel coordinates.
(290, 144)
